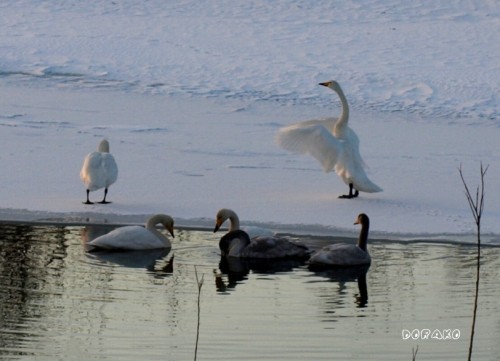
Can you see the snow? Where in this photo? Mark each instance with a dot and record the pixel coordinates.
(190, 95)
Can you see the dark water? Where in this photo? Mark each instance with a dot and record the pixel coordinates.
(58, 302)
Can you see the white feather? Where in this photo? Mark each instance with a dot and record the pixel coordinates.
(137, 237)
(99, 168)
(332, 143)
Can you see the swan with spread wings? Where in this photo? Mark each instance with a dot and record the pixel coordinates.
(333, 144)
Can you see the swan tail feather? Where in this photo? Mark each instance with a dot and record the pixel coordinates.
(367, 186)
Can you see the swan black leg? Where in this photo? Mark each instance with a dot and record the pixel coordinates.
(104, 199)
(351, 194)
(88, 201)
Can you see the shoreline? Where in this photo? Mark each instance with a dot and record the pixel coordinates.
(43, 218)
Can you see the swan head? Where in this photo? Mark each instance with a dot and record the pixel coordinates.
(103, 146)
(362, 219)
(332, 84)
(163, 219)
(223, 215)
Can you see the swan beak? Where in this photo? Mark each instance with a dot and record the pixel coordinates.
(218, 223)
(327, 84)
(357, 221)
(171, 231)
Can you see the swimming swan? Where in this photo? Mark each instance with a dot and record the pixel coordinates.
(341, 254)
(137, 237)
(333, 144)
(99, 171)
(237, 243)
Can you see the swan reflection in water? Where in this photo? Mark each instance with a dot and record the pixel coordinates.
(343, 275)
(153, 260)
(235, 270)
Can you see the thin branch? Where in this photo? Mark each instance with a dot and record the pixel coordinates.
(199, 283)
(414, 352)
(477, 207)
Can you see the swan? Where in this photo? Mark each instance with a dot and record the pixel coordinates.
(99, 170)
(341, 254)
(137, 237)
(237, 243)
(333, 144)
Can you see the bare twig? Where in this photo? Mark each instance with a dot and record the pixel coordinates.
(199, 283)
(476, 205)
(414, 352)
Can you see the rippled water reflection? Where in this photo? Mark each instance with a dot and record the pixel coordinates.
(59, 302)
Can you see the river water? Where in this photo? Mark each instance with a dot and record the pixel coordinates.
(59, 302)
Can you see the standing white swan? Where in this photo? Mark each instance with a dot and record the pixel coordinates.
(99, 171)
(333, 144)
(237, 243)
(341, 254)
(137, 237)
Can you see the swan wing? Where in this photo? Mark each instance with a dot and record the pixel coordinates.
(129, 237)
(110, 169)
(274, 247)
(312, 137)
(256, 231)
(340, 255)
(99, 170)
(328, 122)
(90, 174)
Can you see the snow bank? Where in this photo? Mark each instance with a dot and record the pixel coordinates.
(191, 93)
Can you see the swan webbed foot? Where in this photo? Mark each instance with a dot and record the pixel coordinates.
(104, 202)
(351, 194)
(348, 196)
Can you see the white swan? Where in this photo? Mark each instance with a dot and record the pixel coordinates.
(99, 171)
(341, 254)
(333, 144)
(137, 237)
(237, 243)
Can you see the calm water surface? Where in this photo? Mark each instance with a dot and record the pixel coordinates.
(59, 302)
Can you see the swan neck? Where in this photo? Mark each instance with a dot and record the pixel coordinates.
(363, 235)
(152, 222)
(344, 114)
(234, 222)
(151, 226)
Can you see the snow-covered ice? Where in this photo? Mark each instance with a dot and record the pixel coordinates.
(191, 93)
